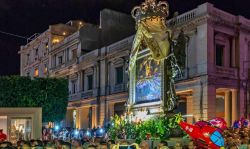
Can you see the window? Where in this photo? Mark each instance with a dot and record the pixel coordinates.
(47, 45)
(60, 58)
(24, 125)
(54, 60)
(36, 72)
(219, 55)
(67, 54)
(119, 75)
(73, 86)
(45, 69)
(90, 82)
(36, 52)
(28, 58)
(74, 54)
(83, 81)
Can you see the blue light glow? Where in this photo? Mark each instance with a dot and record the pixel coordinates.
(87, 133)
(101, 130)
(76, 132)
(57, 127)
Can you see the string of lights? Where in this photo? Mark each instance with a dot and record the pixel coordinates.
(10, 34)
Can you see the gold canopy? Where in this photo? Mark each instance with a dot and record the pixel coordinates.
(151, 30)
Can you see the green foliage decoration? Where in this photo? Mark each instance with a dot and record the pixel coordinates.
(158, 127)
(49, 93)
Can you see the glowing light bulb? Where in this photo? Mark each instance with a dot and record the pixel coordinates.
(76, 132)
(56, 127)
(101, 130)
(88, 133)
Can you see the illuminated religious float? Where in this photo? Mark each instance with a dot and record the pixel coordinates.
(156, 59)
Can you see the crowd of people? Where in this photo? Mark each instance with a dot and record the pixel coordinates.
(98, 143)
(236, 137)
(67, 134)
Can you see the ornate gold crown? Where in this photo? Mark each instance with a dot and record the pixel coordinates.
(150, 9)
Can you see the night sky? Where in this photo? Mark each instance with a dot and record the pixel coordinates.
(26, 17)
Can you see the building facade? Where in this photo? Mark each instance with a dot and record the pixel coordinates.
(216, 78)
(87, 57)
(215, 81)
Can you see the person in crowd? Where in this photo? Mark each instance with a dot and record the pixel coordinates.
(76, 144)
(111, 143)
(66, 145)
(85, 143)
(178, 146)
(26, 145)
(58, 144)
(45, 134)
(92, 147)
(103, 145)
(163, 145)
(49, 145)
(144, 145)
(3, 136)
(5, 144)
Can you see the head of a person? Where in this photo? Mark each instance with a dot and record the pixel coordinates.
(92, 147)
(191, 145)
(5, 144)
(162, 143)
(124, 142)
(111, 142)
(65, 145)
(144, 145)
(76, 143)
(1, 131)
(59, 143)
(26, 145)
(103, 145)
(44, 131)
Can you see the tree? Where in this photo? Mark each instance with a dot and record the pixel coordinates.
(49, 93)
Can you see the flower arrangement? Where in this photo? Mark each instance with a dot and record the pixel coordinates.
(158, 127)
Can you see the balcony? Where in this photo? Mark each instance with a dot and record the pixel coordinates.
(76, 96)
(183, 17)
(226, 72)
(118, 88)
(63, 65)
(66, 40)
(121, 45)
(87, 94)
(89, 55)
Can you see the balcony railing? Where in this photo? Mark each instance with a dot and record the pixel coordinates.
(118, 88)
(89, 55)
(75, 96)
(66, 64)
(66, 40)
(120, 45)
(226, 72)
(87, 94)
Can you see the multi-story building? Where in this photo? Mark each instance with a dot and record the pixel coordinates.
(84, 56)
(35, 54)
(215, 81)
